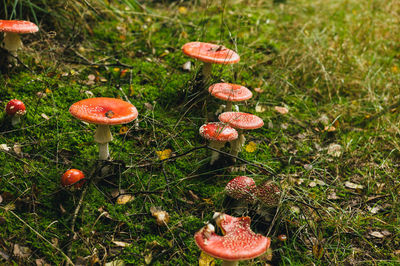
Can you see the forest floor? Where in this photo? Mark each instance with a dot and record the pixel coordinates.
(325, 77)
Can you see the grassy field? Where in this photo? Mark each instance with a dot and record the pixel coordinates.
(334, 65)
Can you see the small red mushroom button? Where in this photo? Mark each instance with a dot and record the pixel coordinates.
(73, 177)
(15, 108)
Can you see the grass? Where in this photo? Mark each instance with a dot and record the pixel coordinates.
(332, 64)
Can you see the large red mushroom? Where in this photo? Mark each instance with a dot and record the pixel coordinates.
(12, 28)
(238, 243)
(104, 112)
(210, 54)
(241, 121)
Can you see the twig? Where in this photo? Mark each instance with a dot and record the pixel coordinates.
(69, 261)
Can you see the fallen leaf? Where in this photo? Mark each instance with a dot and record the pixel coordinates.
(124, 199)
(44, 116)
(17, 149)
(251, 147)
(282, 110)
(335, 150)
(48, 91)
(187, 66)
(182, 10)
(374, 210)
(184, 34)
(161, 216)
(121, 244)
(258, 90)
(123, 130)
(260, 108)
(353, 185)
(131, 90)
(376, 234)
(329, 128)
(332, 196)
(148, 258)
(208, 201)
(206, 260)
(4, 147)
(148, 106)
(165, 154)
(20, 251)
(318, 251)
(308, 167)
(115, 263)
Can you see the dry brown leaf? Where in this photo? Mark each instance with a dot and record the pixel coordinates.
(121, 244)
(124, 199)
(161, 216)
(17, 149)
(376, 234)
(22, 252)
(282, 110)
(115, 263)
(44, 116)
(351, 185)
(261, 108)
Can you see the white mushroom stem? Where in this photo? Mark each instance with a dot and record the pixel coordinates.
(206, 70)
(236, 145)
(15, 119)
(215, 145)
(12, 42)
(230, 263)
(228, 107)
(103, 137)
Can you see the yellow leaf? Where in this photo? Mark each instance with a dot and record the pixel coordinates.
(123, 130)
(182, 10)
(251, 147)
(206, 260)
(165, 154)
(116, 69)
(124, 199)
(208, 201)
(184, 34)
(395, 69)
(131, 91)
(48, 91)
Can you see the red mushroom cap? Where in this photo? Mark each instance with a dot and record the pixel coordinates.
(15, 107)
(230, 92)
(104, 111)
(210, 53)
(18, 26)
(241, 188)
(218, 131)
(241, 120)
(72, 176)
(239, 243)
(268, 194)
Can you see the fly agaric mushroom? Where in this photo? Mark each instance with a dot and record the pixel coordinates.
(240, 121)
(268, 194)
(104, 112)
(210, 54)
(218, 134)
(230, 93)
(15, 108)
(71, 177)
(241, 188)
(12, 28)
(238, 243)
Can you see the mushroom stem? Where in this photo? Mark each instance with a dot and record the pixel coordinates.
(236, 145)
(228, 107)
(12, 42)
(229, 263)
(206, 70)
(103, 137)
(214, 154)
(15, 120)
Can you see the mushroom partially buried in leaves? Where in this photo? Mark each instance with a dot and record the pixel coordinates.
(240, 121)
(238, 243)
(104, 112)
(218, 134)
(230, 93)
(210, 54)
(12, 28)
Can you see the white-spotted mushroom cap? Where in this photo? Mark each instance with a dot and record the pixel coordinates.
(268, 194)
(241, 120)
(241, 188)
(104, 111)
(216, 131)
(238, 243)
(210, 53)
(230, 92)
(18, 26)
